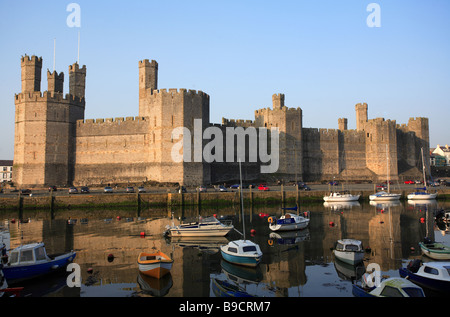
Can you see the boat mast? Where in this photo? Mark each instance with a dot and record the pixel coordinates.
(423, 171)
(242, 198)
(387, 162)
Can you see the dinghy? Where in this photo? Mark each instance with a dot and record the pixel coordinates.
(155, 264)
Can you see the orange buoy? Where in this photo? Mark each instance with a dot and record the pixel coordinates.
(118, 218)
(331, 224)
(142, 234)
(253, 231)
(422, 220)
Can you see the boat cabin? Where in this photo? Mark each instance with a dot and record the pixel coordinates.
(28, 254)
(349, 245)
(243, 247)
(396, 287)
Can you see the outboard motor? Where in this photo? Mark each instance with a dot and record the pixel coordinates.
(427, 240)
(414, 265)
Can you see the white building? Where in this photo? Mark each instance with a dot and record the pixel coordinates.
(6, 170)
(443, 151)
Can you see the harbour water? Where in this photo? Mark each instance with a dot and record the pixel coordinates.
(294, 264)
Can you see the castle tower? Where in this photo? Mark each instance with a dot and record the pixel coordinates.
(31, 73)
(55, 82)
(148, 81)
(278, 101)
(77, 80)
(361, 116)
(342, 122)
(45, 126)
(289, 122)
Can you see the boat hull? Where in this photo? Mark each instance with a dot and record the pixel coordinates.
(349, 256)
(290, 227)
(341, 199)
(433, 284)
(435, 251)
(251, 261)
(202, 232)
(387, 197)
(19, 273)
(421, 196)
(155, 265)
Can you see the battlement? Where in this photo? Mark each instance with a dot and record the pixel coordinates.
(76, 68)
(117, 120)
(147, 62)
(26, 60)
(47, 96)
(237, 123)
(175, 91)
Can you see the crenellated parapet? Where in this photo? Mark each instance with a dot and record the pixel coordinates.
(48, 96)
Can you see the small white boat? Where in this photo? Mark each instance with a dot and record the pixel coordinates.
(349, 251)
(425, 194)
(242, 252)
(341, 196)
(209, 226)
(384, 196)
(156, 264)
(435, 250)
(288, 222)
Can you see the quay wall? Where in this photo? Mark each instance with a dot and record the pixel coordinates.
(148, 200)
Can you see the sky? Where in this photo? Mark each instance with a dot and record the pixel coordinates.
(322, 54)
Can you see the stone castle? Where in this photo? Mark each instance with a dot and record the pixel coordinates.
(55, 145)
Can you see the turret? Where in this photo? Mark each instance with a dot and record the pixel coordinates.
(55, 82)
(77, 80)
(361, 116)
(31, 73)
(278, 101)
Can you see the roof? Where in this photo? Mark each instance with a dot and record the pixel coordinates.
(6, 162)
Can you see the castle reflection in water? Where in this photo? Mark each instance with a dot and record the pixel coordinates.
(294, 264)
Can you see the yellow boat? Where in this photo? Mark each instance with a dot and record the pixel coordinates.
(155, 264)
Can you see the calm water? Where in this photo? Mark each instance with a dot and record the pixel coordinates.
(296, 264)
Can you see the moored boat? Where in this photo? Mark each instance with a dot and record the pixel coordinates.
(30, 261)
(349, 251)
(384, 196)
(288, 222)
(431, 275)
(242, 252)
(391, 287)
(435, 250)
(155, 264)
(418, 195)
(210, 227)
(340, 196)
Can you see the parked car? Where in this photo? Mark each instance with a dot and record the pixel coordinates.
(409, 182)
(130, 189)
(52, 188)
(263, 187)
(333, 183)
(220, 188)
(108, 189)
(84, 190)
(25, 191)
(141, 189)
(235, 186)
(305, 187)
(73, 190)
(182, 189)
(381, 187)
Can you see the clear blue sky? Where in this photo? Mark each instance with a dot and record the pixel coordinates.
(321, 54)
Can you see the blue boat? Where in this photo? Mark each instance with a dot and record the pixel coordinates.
(430, 275)
(223, 288)
(30, 261)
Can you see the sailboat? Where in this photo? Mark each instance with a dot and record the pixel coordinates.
(242, 252)
(383, 196)
(422, 195)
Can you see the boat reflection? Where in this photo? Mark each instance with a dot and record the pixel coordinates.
(157, 287)
(209, 245)
(344, 205)
(288, 237)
